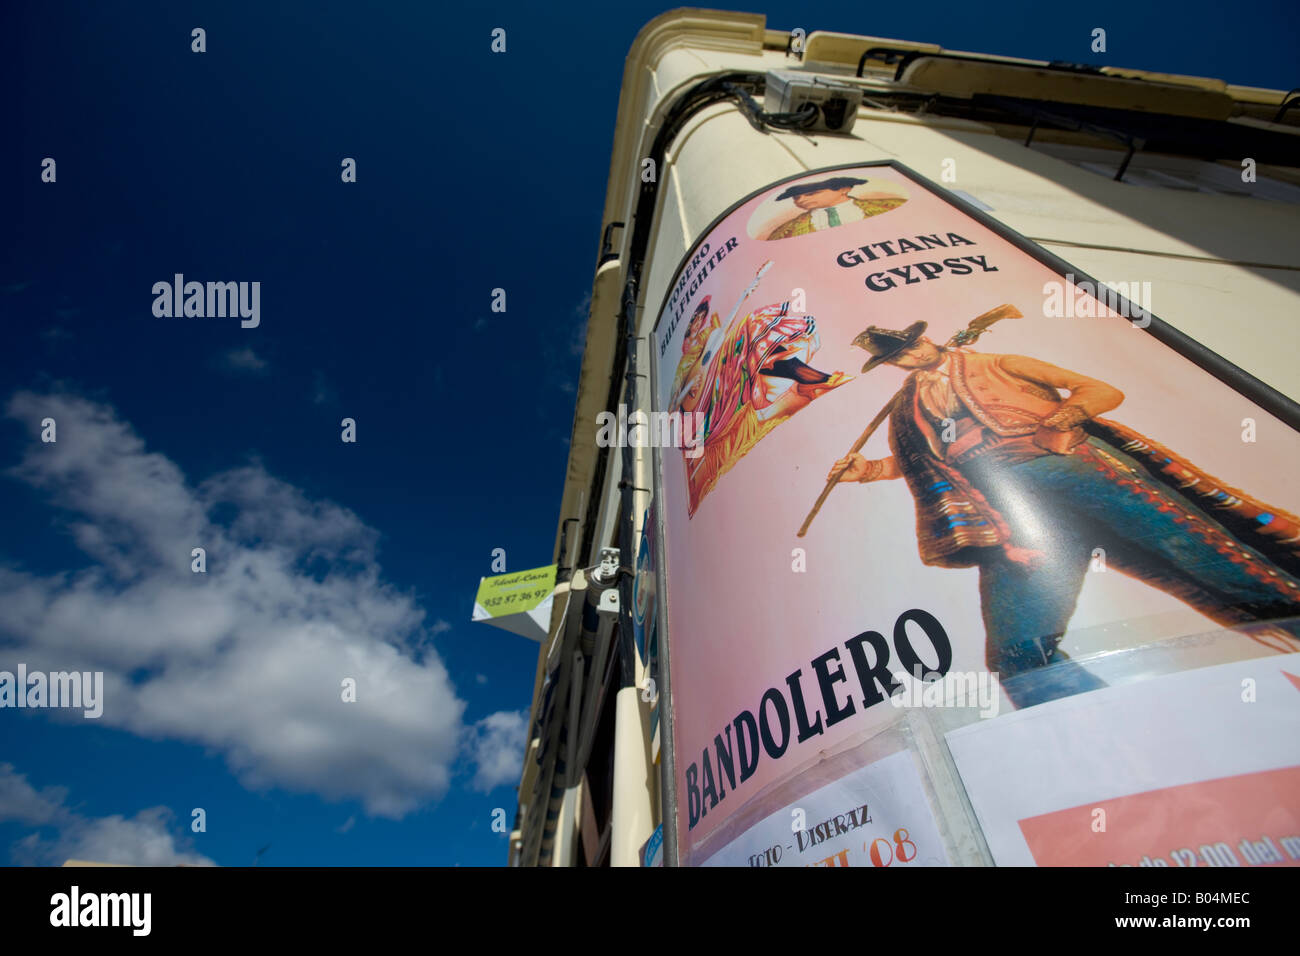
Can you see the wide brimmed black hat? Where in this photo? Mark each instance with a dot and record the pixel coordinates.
(884, 344)
(839, 182)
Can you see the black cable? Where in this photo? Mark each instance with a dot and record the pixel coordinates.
(759, 118)
(1287, 103)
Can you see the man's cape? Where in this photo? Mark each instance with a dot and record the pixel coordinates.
(955, 523)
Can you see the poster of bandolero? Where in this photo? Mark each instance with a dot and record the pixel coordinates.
(926, 445)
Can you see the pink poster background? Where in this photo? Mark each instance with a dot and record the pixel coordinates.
(740, 618)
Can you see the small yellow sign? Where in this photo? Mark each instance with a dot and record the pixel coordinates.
(519, 602)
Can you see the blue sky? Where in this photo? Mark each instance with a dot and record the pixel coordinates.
(327, 559)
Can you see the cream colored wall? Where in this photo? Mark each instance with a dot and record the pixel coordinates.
(1249, 316)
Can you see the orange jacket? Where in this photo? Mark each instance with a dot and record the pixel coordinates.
(1012, 394)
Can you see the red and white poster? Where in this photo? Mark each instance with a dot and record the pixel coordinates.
(924, 447)
(1200, 768)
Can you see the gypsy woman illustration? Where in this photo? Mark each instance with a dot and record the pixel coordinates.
(746, 376)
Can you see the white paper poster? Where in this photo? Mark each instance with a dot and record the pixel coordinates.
(876, 816)
(1199, 768)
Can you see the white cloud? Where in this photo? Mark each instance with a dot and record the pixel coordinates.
(244, 360)
(439, 627)
(20, 802)
(496, 745)
(562, 369)
(249, 658)
(143, 840)
(583, 309)
(578, 333)
(321, 392)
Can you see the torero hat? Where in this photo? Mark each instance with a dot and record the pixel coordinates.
(838, 182)
(884, 344)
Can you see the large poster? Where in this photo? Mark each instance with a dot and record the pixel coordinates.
(1213, 780)
(921, 450)
(877, 816)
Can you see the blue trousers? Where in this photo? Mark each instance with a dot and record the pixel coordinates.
(1063, 506)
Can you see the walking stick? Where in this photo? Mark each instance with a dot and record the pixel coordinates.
(857, 445)
(974, 329)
